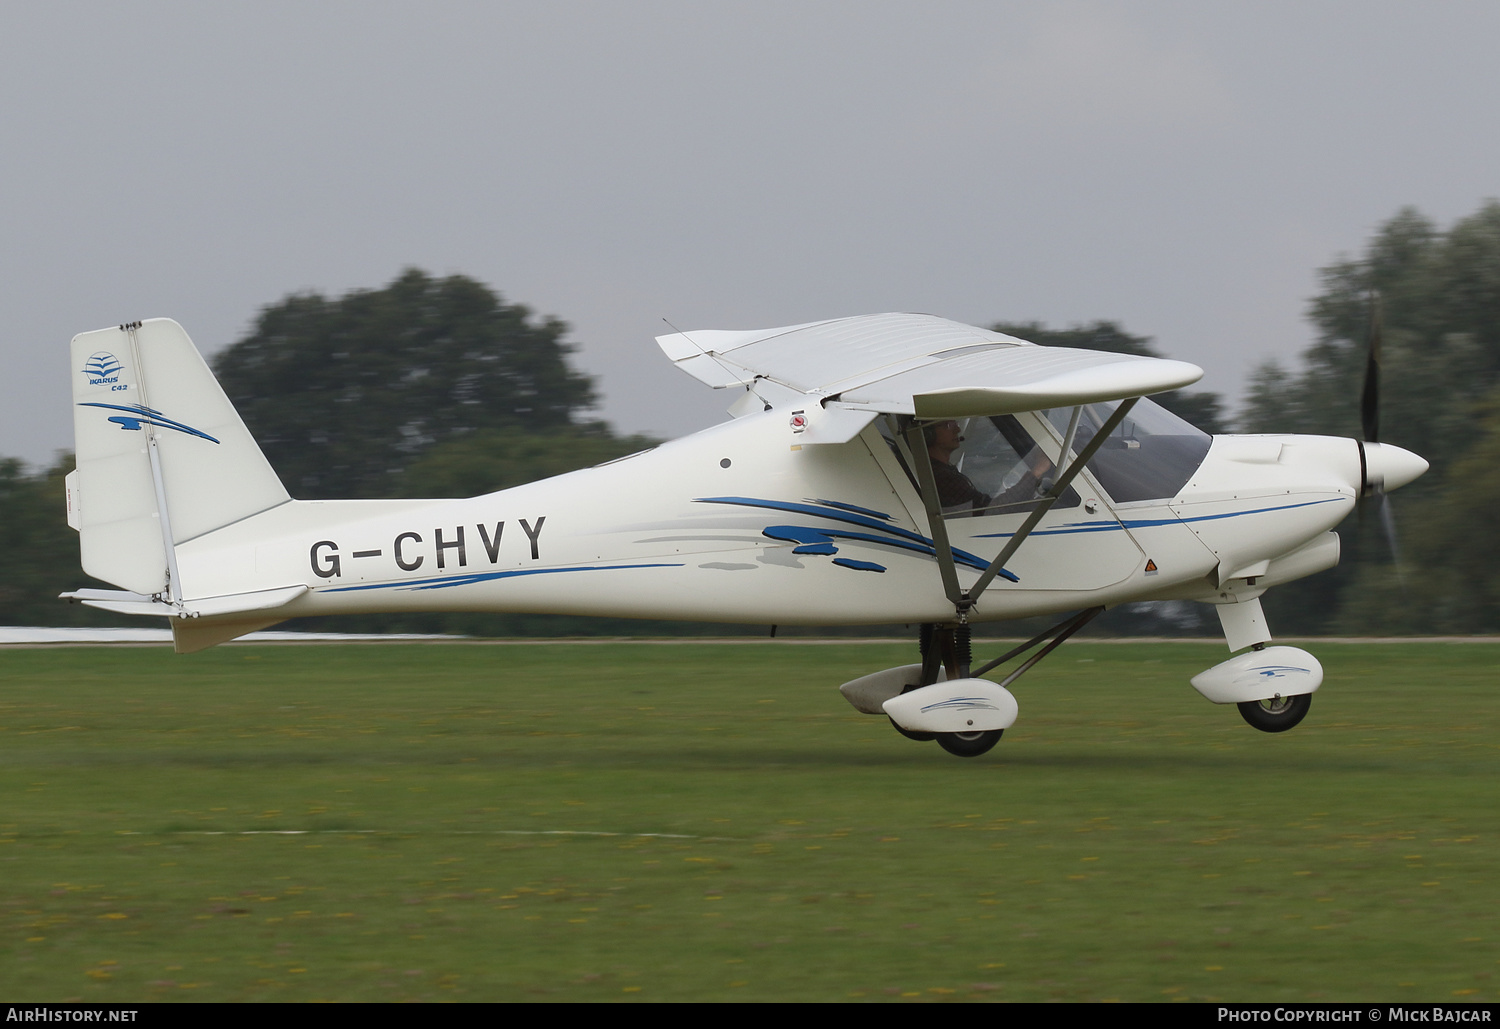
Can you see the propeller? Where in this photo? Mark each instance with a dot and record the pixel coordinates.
(1373, 490)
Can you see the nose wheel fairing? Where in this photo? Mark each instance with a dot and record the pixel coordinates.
(1270, 673)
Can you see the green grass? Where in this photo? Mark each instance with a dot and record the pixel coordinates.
(1125, 840)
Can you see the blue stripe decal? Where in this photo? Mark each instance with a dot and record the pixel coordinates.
(837, 514)
(890, 535)
(1072, 530)
(806, 536)
(1146, 523)
(1231, 514)
(859, 566)
(811, 541)
(137, 414)
(473, 577)
(854, 508)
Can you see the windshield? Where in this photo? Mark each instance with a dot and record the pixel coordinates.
(1150, 455)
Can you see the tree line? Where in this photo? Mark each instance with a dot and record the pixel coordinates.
(439, 387)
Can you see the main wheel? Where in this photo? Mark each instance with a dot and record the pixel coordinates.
(920, 737)
(1278, 714)
(969, 744)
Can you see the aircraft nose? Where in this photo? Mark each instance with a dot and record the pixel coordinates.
(1392, 466)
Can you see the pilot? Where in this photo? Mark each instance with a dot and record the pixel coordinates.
(954, 488)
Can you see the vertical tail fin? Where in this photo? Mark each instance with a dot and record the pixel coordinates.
(163, 456)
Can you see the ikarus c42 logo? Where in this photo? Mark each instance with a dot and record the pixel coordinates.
(103, 369)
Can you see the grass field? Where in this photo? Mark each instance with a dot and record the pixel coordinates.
(713, 822)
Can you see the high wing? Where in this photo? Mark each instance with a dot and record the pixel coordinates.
(918, 364)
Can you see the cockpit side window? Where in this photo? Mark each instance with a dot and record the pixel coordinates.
(984, 465)
(890, 431)
(1006, 466)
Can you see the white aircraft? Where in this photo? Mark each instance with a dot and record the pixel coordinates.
(892, 468)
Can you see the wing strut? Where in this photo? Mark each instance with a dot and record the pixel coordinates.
(964, 600)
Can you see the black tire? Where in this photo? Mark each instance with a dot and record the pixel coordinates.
(969, 744)
(920, 737)
(1278, 714)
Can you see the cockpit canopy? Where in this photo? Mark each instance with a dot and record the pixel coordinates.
(999, 467)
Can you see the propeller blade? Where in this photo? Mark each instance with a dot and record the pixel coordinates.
(1383, 511)
(1369, 405)
(1388, 523)
(1369, 417)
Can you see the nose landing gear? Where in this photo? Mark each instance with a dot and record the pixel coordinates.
(1290, 675)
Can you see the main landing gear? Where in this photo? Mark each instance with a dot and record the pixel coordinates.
(946, 654)
(975, 711)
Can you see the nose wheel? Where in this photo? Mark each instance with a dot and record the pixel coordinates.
(1277, 714)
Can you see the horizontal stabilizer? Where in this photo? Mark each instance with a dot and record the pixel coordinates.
(127, 603)
(199, 624)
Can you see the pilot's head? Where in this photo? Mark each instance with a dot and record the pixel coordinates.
(943, 438)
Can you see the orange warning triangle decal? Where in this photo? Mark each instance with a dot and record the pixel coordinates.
(1150, 565)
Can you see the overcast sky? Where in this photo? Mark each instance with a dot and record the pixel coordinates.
(1183, 168)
